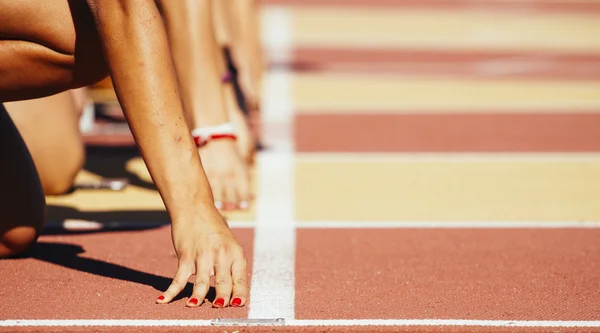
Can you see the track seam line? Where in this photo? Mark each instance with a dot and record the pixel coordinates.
(447, 224)
(272, 291)
(451, 157)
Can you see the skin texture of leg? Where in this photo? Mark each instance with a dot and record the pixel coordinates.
(246, 143)
(134, 43)
(50, 128)
(193, 49)
(22, 201)
(237, 27)
(196, 56)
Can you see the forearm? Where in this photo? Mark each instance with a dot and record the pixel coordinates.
(196, 56)
(136, 49)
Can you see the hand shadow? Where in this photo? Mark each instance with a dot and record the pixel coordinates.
(67, 255)
(111, 162)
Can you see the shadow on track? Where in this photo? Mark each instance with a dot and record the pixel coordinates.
(68, 255)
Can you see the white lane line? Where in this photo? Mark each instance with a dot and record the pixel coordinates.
(102, 322)
(342, 322)
(444, 322)
(447, 157)
(276, 31)
(272, 292)
(272, 289)
(447, 224)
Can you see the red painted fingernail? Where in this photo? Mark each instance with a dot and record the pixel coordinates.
(236, 301)
(220, 302)
(193, 301)
(161, 297)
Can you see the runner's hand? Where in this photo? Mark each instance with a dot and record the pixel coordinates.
(207, 248)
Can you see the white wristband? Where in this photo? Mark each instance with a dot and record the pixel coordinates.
(203, 135)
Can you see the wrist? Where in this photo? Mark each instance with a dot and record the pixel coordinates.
(200, 210)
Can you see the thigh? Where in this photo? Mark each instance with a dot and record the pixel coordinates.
(221, 22)
(49, 23)
(22, 200)
(47, 47)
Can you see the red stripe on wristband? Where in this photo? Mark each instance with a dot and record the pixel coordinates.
(223, 136)
(201, 143)
(197, 141)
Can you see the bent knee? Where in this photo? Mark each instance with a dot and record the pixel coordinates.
(17, 240)
(61, 184)
(58, 187)
(60, 179)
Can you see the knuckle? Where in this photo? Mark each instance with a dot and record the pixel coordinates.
(201, 283)
(186, 268)
(205, 256)
(224, 250)
(240, 281)
(218, 251)
(238, 251)
(202, 255)
(178, 282)
(216, 240)
(241, 258)
(186, 257)
(223, 280)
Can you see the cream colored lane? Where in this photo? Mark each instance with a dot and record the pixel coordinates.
(448, 189)
(132, 198)
(466, 30)
(359, 93)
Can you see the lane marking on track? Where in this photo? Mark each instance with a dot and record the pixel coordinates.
(446, 224)
(527, 157)
(444, 322)
(272, 292)
(342, 322)
(276, 33)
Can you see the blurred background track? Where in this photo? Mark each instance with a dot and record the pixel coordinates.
(516, 83)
